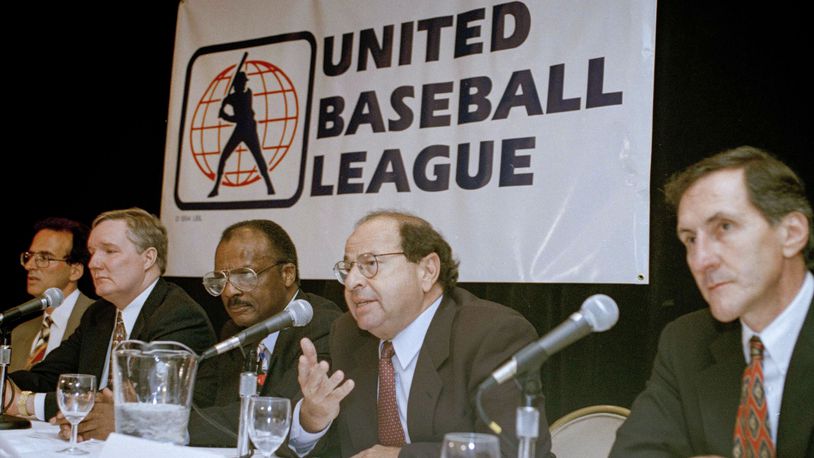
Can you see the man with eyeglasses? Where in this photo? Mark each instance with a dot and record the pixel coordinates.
(55, 259)
(128, 250)
(256, 275)
(410, 354)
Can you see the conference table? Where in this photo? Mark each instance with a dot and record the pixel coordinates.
(42, 441)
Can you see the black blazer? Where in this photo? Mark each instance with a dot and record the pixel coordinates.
(281, 379)
(168, 314)
(467, 339)
(691, 400)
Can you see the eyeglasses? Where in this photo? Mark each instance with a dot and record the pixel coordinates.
(244, 279)
(367, 263)
(41, 260)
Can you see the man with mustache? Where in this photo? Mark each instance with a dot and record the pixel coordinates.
(256, 275)
(128, 251)
(55, 259)
(735, 379)
(414, 348)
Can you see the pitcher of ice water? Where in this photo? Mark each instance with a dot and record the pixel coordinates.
(152, 387)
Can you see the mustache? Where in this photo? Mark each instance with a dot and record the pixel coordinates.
(237, 302)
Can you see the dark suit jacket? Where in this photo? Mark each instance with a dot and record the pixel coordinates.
(281, 379)
(22, 337)
(168, 314)
(467, 339)
(691, 400)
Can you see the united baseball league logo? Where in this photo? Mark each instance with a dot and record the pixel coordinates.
(244, 125)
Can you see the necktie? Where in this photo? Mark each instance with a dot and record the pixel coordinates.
(119, 336)
(390, 431)
(263, 359)
(752, 437)
(38, 353)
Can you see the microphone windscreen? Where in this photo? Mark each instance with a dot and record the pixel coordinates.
(301, 312)
(53, 296)
(600, 311)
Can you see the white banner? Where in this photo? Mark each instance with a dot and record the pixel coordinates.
(521, 130)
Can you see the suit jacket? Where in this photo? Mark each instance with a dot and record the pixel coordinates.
(22, 337)
(467, 339)
(691, 400)
(168, 314)
(281, 378)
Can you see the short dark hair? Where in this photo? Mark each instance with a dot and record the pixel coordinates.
(773, 188)
(144, 229)
(277, 236)
(79, 233)
(418, 239)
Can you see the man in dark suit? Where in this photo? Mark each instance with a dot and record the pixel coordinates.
(128, 256)
(256, 276)
(438, 343)
(745, 221)
(56, 258)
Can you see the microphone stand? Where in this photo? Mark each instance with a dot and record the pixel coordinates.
(527, 424)
(7, 421)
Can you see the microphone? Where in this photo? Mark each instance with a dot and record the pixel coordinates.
(598, 313)
(297, 313)
(52, 297)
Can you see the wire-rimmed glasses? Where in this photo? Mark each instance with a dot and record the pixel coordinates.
(41, 260)
(244, 279)
(367, 263)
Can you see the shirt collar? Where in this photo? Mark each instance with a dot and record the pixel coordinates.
(781, 334)
(63, 311)
(408, 342)
(131, 312)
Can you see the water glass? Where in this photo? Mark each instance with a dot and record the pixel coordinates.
(470, 445)
(269, 420)
(75, 396)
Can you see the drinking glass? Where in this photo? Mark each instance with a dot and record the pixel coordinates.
(75, 396)
(269, 420)
(470, 445)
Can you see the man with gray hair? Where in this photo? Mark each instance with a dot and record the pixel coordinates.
(128, 251)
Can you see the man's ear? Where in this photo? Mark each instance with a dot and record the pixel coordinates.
(794, 233)
(429, 271)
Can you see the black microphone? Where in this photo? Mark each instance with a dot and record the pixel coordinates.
(598, 313)
(297, 313)
(52, 297)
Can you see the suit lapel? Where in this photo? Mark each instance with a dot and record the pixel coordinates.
(99, 339)
(82, 303)
(427, 383)
(796, 425)
(716, 396)
(361, 410)
(154, 300)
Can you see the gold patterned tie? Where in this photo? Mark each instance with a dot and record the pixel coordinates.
(38, 353)
(752, 438)
(119, 336)
(390, 432)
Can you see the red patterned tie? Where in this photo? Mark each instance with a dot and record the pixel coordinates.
(119, 336)
(390, 432)
(38, 353)
(752, 437)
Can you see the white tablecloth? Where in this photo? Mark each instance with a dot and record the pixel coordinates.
(42, 441)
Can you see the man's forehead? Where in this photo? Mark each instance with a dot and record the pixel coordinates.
(374, 236)
(717, 192)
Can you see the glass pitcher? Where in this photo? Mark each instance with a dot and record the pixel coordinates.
(152, 388)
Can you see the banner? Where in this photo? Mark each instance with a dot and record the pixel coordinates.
(521, 130)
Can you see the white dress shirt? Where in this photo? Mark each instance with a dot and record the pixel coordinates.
(779, 338)
(407, 344)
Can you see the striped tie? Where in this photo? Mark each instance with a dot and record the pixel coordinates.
(752, 438)
(38, 353)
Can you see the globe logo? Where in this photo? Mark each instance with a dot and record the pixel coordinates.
(274, 109)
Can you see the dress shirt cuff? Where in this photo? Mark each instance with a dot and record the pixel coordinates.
(300, 440)
(39, 406)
